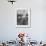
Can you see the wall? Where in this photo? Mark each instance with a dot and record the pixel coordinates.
(8, 28)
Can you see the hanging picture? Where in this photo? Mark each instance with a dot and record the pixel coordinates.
(23, 17)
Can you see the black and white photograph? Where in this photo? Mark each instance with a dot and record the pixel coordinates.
(23, 17)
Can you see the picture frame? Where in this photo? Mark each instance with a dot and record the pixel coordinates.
(23, 17)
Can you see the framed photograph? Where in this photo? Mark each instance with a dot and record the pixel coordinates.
(23, 17)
